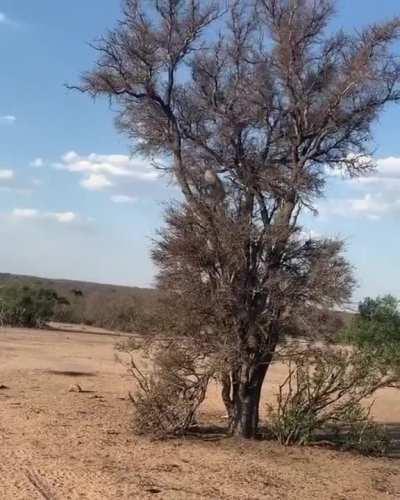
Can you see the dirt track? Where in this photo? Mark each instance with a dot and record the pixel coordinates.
(61, 445)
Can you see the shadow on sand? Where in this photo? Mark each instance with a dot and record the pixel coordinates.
(71, 373)
(393, 432)
(208, 432)
(213, 432)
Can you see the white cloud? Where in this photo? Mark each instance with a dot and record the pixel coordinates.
(4, 19)
(371, 206)
(100, 171)
(11, 182)
(32, 213)
(6, 174)
(389, 167)
(8, 119)
(341, 169)
(96, 182)
(384, 183)
(309, 234)
(112, 165)
(386, 175)
(25, 213)
(63, 217)
(122, 198)
(372, 196)
(70, 157)
(37, 163)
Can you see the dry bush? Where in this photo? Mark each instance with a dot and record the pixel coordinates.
(169, 395)
(115, 313)
(359, 432)
(323, 392)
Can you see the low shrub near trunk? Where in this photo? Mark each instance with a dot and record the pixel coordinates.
(363, 435)
(324, 394)
(169, 395)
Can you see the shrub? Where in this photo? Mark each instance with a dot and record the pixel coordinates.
(169, 396)
(324, 390)
(111, 311)
(28, 306)
(377, 327)
(114, 314)
(361, 433)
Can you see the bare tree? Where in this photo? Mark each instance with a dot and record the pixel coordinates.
(249, 121)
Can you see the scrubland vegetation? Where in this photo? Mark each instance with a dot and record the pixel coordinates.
(249, 131)
(106, 306)
(250, 134)
(324, 396)
(29, 307)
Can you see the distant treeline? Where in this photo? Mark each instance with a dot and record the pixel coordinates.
(32, 302)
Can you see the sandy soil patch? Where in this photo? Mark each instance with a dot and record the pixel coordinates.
(58, 444)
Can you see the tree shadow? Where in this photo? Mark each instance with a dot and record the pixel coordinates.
(208, 432)
(335, 441)
(393, 432)
(214, 432)
(71, 373)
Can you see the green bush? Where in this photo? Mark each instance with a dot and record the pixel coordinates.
(361, 433)
(29, 307)
(325, 390)
(376, 328)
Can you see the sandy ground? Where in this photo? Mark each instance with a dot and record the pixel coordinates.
(56, 444)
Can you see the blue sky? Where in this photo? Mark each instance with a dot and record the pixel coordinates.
(73, 203)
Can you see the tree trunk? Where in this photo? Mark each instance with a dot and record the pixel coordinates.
(226, 394)
(247, 382)
(246, 403)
